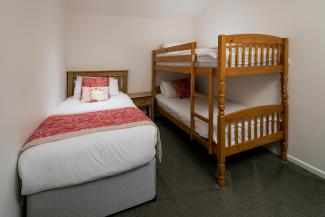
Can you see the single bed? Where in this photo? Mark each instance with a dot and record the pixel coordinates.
(94, 174)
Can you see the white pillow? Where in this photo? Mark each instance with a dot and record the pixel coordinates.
(162, 91)
(167, 89)
(171, 44)
(77, 88)
(113, 87)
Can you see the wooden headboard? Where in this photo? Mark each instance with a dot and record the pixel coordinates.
(121, 75)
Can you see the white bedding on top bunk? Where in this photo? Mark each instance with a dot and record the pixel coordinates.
(207, 57)
(180, 108)
(88, 157)
(199, 52)
(211, 64)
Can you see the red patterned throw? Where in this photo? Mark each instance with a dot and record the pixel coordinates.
(59, 127)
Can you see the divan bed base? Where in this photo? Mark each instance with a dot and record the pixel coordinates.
(98, 198)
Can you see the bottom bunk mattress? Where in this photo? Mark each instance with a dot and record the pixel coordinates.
(87, 157)
(181, 109)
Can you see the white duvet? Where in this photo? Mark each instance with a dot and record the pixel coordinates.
(88, 157)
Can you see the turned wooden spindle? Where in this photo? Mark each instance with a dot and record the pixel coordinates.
(267, 117)
(267, 62)
(250, 55)
(261, 125)
(262, 55)
(255, 127)
(249, 128)
(229, 134)
(256, 55)
(237, 55)
(243, 57)
(236, 132)
(242, 130)
(273, 121)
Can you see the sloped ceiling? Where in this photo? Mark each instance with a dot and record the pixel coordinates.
(181, 9)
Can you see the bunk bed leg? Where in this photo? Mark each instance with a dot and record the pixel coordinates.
(221, 171)
(221, 110)
(211, 110)
(284, 147)
(284, 96)
(221, 148)
(193, 47)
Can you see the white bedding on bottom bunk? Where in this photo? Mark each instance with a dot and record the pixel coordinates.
(180, 108)
(88, 157)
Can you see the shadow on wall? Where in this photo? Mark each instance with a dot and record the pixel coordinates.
(248, 90)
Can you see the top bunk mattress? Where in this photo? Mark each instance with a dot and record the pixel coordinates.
(87, 157)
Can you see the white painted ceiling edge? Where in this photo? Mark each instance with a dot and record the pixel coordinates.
(174, 9)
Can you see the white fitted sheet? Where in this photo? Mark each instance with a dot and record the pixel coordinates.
(180, 108)
(88, 157)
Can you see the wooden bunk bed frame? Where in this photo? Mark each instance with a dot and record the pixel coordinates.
(225, 69)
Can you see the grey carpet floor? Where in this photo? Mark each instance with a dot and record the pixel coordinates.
(258, 183)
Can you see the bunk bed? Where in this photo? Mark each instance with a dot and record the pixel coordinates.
(238, 128)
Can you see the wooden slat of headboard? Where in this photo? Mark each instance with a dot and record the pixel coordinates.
(122, 76)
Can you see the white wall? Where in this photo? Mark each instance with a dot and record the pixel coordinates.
(303, 23)
(32, 60)
(104, 42)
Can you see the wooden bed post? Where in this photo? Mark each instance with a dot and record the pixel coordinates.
(211, 110)
(284, 96)
(153, 88)
(193, 47)
(220, 148)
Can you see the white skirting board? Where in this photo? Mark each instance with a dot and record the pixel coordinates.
(307, 166)
(275, 150)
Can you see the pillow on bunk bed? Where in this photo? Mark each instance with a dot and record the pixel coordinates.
(167, 89)
(113, 87)
(94, 89)
(171, 44)
(182, 87)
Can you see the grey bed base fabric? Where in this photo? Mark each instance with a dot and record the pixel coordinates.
(98, 198)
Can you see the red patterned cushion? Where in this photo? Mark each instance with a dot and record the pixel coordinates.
(182, 87)
(95, 82)
(94, 94)
(92, 82)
